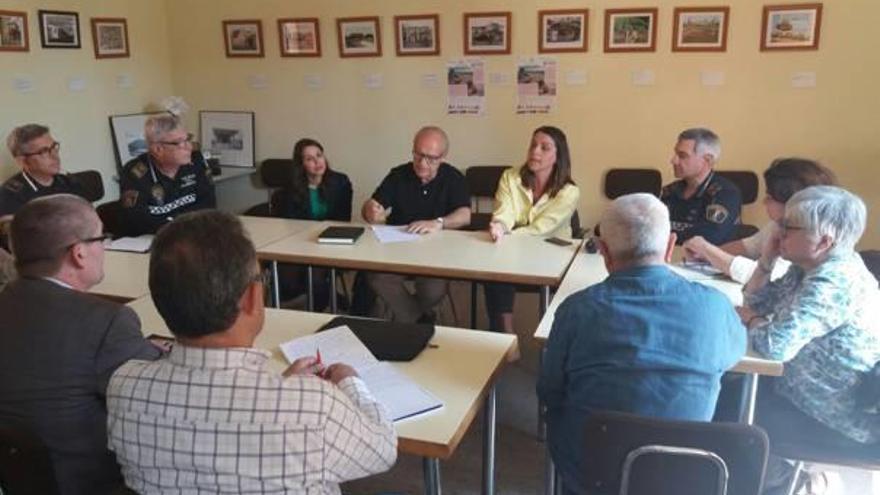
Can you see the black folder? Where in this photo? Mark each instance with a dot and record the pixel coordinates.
(387, 340)
(340, 235)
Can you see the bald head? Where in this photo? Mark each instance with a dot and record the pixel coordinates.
(635, 230)
(432, 132)
(43, 228)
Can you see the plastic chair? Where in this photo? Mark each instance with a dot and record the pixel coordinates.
(482, 181)
(622, 181)
(111, 216)
(871, 258)
(25, 464)
(91, 182)
(747, 182)
(634, 455)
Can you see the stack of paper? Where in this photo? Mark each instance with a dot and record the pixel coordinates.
(398, 393)
(393, 233)
(140, 244)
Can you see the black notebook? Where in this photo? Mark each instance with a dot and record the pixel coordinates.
(340, 235)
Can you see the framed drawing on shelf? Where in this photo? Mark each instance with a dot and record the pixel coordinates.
(228, 136)
(487, 33)
(299, 37)
(359, 37)
(630, 30)
(791, 27)
(243, 38)
(59, 29)
(700, 29)
(128, 136)
(561, 31)
(13, 31)
(417, 34)
(110, 36)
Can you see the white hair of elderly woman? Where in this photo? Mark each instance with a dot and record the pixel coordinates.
(636, 228)
(831, 211)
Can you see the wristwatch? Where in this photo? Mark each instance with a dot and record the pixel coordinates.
(440, 221)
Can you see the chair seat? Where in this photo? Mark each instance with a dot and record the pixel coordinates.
(863, 457)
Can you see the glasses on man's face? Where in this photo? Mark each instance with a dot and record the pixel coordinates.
(53, 149)
(180, 142)
(429, 159)
(261, 277)
(88, 240)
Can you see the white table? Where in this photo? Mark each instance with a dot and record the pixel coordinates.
(460, 371)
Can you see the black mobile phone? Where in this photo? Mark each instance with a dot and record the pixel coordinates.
(558, 241)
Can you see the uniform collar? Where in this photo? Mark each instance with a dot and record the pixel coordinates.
(705, 184)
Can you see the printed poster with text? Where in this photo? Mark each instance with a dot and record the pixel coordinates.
(466, 82)
(536, 85)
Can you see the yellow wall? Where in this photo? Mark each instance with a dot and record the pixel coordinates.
(79, 119)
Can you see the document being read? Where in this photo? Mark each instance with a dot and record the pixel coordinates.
(140, 244)
(393, 233)
(397, 392)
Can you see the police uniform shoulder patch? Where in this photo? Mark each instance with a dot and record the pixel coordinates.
(129, 198)
(14, 185)
(138, 170)
(716, 213)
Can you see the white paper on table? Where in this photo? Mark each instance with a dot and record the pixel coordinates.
(139, 244)
(695, 270)
(393, 233)
(337, 345)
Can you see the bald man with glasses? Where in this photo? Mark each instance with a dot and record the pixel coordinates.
(37, 154)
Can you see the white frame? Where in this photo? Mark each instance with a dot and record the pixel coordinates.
(240, 122)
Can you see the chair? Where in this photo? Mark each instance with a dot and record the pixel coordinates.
(622, 181)
(111, 216)
(871, 258)
(91, 182)
(482, 181)
(274, 173)
(25, 464)
(634, 455)
(747, 182)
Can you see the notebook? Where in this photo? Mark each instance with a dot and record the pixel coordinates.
(140, 244)
(399, 394)
(340, 235)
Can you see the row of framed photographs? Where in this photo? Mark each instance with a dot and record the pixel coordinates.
(60, 29)
(695, 29)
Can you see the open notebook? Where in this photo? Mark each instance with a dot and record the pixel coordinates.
(397, 392)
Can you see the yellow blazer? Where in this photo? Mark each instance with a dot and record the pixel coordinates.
(514, 208)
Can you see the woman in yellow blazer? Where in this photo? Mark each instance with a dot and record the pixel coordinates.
(538, 198)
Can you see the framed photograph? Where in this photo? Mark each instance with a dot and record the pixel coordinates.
(417, 34)
(487, 33)
(59, 29)
(13, 31)
(243, 38)
(229, 136)
(110, 37)
(359, 37)
(700, 29)
(630, 30)
(299, 37)
(561, 31)
(128, 135)
(791, 27)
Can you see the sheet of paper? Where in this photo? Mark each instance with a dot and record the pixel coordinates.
(643, 77)
(802, 80)
(373, 81)
(697, 270)
(76, 84)
(314, 81)
(23, 83)
(124, 81)
(430, 80)
(499, 79)
(140, 244)
(393, 233)
(576, 77)
(402, 396)
(712, 77)
(337, 345)
(258, 81)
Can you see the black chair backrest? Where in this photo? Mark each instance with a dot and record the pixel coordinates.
(610, 437)
(621, 181)
(275, 172)
(110, 214)
(91, 182)
(745, 180)
(482, 180)
(871, 258)
(25, 464)
(258, 210)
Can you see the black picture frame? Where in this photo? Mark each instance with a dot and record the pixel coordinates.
(229, 136)
(59, 29)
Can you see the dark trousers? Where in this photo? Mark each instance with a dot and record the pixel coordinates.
(499, 300)
(294, 281)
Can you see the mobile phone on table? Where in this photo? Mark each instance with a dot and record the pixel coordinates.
(558, 241)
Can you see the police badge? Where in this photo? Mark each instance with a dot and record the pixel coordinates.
(716, 213)
(158, 193)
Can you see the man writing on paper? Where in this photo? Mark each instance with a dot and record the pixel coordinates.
(166, 181)
(644, 340)
(426, 195)
(235, 425)
(59, 345)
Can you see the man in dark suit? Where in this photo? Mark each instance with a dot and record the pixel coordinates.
(59, 345)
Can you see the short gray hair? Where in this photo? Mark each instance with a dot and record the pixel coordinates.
(22, 135)
(636, 228)
(158, 126)
(829, 210)
(705, 141)
(433, 129)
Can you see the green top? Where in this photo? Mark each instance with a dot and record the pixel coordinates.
(317, 205)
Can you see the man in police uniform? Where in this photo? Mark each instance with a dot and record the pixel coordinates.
(36, 153)
(701, 202)
(166, 181)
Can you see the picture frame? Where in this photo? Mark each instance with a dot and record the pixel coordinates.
(59, 29)
(14, 31)
(243, 38)
(110, 37)
(631, 30)
(228, 136)
(791, 27)
(564, 30)
(359, 36)
(127, 132)
(416, 35)
(700, 29)
(299, 37)
(487, 33)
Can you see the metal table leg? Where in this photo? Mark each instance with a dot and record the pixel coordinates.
(474, 305)
(544, 301)
(310, 291)
(431, 471)
(276, 288)
(333, 308)
(750, 390)
(549, 475)
(489, 444)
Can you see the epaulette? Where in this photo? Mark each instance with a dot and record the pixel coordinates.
(138, 170)
(14, 185)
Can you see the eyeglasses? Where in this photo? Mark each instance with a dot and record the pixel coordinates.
(100, 238)
(180, 142)
(45, 152)
(261, 277)
(430, 159)
(786, 228)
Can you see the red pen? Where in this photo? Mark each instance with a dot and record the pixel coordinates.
(318, 362)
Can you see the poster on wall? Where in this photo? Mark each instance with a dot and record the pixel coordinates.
(536, 85)
(229, 136)
(466, 83)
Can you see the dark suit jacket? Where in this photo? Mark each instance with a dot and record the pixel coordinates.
(58, 348)
(338, 201)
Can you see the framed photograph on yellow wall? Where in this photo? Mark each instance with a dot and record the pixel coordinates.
(631, 30)
(417, 34)
(561, 31)
(243, 38)
(487, 33)
(299, 37)
(110, 36)
(59, 29)
(700, 29)
(13, 31)
(791, 27)
(359, 37)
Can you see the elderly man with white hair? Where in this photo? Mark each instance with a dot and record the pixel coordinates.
(166, 181)
(644, 340)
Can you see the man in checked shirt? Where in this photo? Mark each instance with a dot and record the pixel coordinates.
(210, 416)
